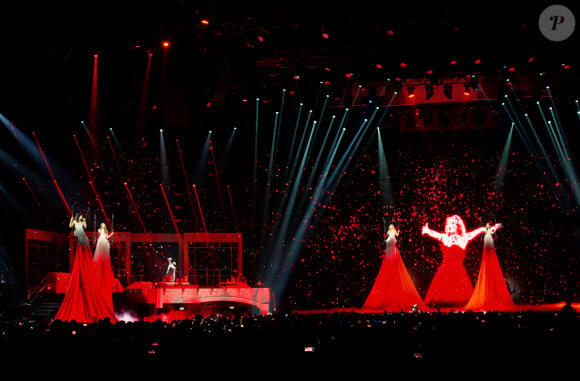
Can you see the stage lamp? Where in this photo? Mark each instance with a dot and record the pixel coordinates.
(448, 90)
(428, 92)
(473, 83)
(411, 91)
(466, 90)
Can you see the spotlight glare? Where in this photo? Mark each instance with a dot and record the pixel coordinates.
(165, 44)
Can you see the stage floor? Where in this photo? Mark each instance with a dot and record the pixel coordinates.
(555, 307)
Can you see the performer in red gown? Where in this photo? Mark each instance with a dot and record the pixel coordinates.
(83, 301)
(451, 286)
(393, 290)
(491, 292)
(102, 260)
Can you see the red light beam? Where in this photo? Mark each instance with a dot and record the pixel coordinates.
(134, 205)
(63, 199)
(200, 210)
(186, 182)
(92, 183)
(38, 203)
(169, 208)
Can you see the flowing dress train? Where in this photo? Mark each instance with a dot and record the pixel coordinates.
(84, 301)
(103, 269)
(490, 292)
(451, 285)
(393, 289)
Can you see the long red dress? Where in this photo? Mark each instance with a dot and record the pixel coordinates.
(84, 301)
(103, 270)
(393, 289)
(451, 286)
(491, 292)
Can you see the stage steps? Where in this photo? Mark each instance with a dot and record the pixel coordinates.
(45, 307)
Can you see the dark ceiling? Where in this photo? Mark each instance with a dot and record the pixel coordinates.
(250, 46)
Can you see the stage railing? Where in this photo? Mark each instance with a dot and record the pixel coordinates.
(215, 257)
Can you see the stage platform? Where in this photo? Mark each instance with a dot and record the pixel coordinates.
(160, 294)
(554, 307)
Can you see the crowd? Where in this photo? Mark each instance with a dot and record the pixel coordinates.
(340, 340)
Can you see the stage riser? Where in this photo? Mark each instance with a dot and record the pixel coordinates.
(161, 294)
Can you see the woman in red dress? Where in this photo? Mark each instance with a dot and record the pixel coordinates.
(83, 301)
(393, 290)
(451, 286)
(491, 292)
(102, 260)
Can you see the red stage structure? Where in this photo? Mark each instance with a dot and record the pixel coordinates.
(210, 268)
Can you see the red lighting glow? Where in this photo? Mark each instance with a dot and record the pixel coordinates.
(379, 66)
(403, 64)
(429, 71)
(205, 22)
(453, 62)
(477, 62)
(325, 35)
(165, 44)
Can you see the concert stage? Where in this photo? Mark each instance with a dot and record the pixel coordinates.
(161, 294)
(545, 307)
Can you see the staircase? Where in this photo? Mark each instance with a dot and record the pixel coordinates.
(44, 307)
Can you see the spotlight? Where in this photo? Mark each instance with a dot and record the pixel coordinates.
(466, 90)
(165, 44)
(473, 83)
(448, 90)
(411, 91)
(428, 92)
